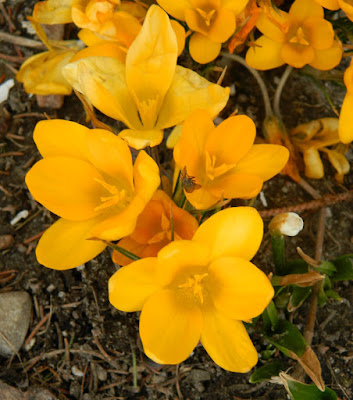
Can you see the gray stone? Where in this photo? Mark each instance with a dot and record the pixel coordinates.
(15, 316)
(10, 393)
(199, 375)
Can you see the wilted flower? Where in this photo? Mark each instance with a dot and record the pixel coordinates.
(345, 128)
(297, 38)
(288, 224)
(154, 228)
(223, 161)
(199, 290)
(87, 178)
(149, 93)
(213, 22)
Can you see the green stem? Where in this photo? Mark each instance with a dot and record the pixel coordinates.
(279, 259)
(277, 98)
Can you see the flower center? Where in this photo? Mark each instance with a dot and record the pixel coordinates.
(117, 197)
(212, 171)
(196, 286)
(299, 37)
(207, 16)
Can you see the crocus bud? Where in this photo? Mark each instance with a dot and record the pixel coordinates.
(288, 224)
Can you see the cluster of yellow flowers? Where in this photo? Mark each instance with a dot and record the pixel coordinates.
(193, 283)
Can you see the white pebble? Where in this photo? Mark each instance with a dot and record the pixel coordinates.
(21, 215)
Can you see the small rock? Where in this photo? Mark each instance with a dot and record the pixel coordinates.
(15, 316)
(10, 393)
(53, 101)
(101, 373)
(6, 241)
(199, 375)
(76, 371)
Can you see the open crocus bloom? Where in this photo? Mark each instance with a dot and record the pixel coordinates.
(199, 290)
(149, 93)
(223, 161)
(87, 178)
(213, 21)
(297, 38)
(345, 128)
(154, 228)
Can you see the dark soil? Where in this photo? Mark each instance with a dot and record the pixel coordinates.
(85, 349)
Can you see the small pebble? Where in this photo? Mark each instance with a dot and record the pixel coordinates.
(51, 288)
(76, 371)
(21, 215)
(30, 345)
(6, 241)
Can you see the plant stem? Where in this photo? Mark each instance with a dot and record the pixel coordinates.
(279, 259)
(277, 98)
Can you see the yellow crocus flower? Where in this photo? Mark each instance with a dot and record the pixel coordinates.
(87, 177)
(223, 161)
(53, 12)
(345, 127)
(150, 92)
(199, 290)
(297, 38)
(213, 21)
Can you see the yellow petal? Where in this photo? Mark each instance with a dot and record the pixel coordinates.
(329, 58)
(89, 38)
(110, 155)
(53, 12)
(275, 27)
(347, 7)
(58, 137)
(233, 232)
(102, 81)
(190, 147)
(202, 198)
(174, 137)
(231, 140)
(238, 288)
(102, 48)
(313, 165)
(139, 139)
(169, 329)
(264, 54)
(202, 49)
(65, 244)
(223, 27)
(150, 64)
(329, 4)
(236, 6)
(319, 32)
(236, 186)
(345, 127)
(176, 8)
(302, 9)
(146, 182)
(339, 162)
(180, 35)
(178, 257)
(130, 245)
(42, 74)
(131, 286)
(297, 55)
(66, 186)
(227, 342)
(263, 160)
(190, 92)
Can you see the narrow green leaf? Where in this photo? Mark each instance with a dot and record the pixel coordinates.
(122, 251)
(327, 268)
(267, 371)
(344, 268)
(279, 260)
(299, 295)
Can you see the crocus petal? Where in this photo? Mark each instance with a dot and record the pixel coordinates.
(270, 29)
(231, 140)
(223, 27)
(345, 128)
(234, 185)
(146, 182)
(139, 139)
(329, 4)
(150, 64)
(176, 8)
(102, 81)
(58, 137)
(302, 9)
(264, 54)
(238, 288)
(53, 12)
(130, 245)
(329, 58)
(131, 286)
(314, 167)
(202, 198)
(263, 160)
(297, 55)
(169, 329)
(190, 147)
(110, 155)
(234, 232)
(236, 6)
(339, 162)
(172, 259)
(227, 342)
(102, 49)
(65, 244)
(347, 8)
(180, 35)
(89, 38)
(202, 49)
(320, 32)
(190, 92)
(66, 186)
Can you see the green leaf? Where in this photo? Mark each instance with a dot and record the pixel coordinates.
(301, 391)
(331, 294)
(267, 371)
(279, 260)
(288, 338)
(297, 266)
(299, 295)
(327, 268)
(344, 267)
